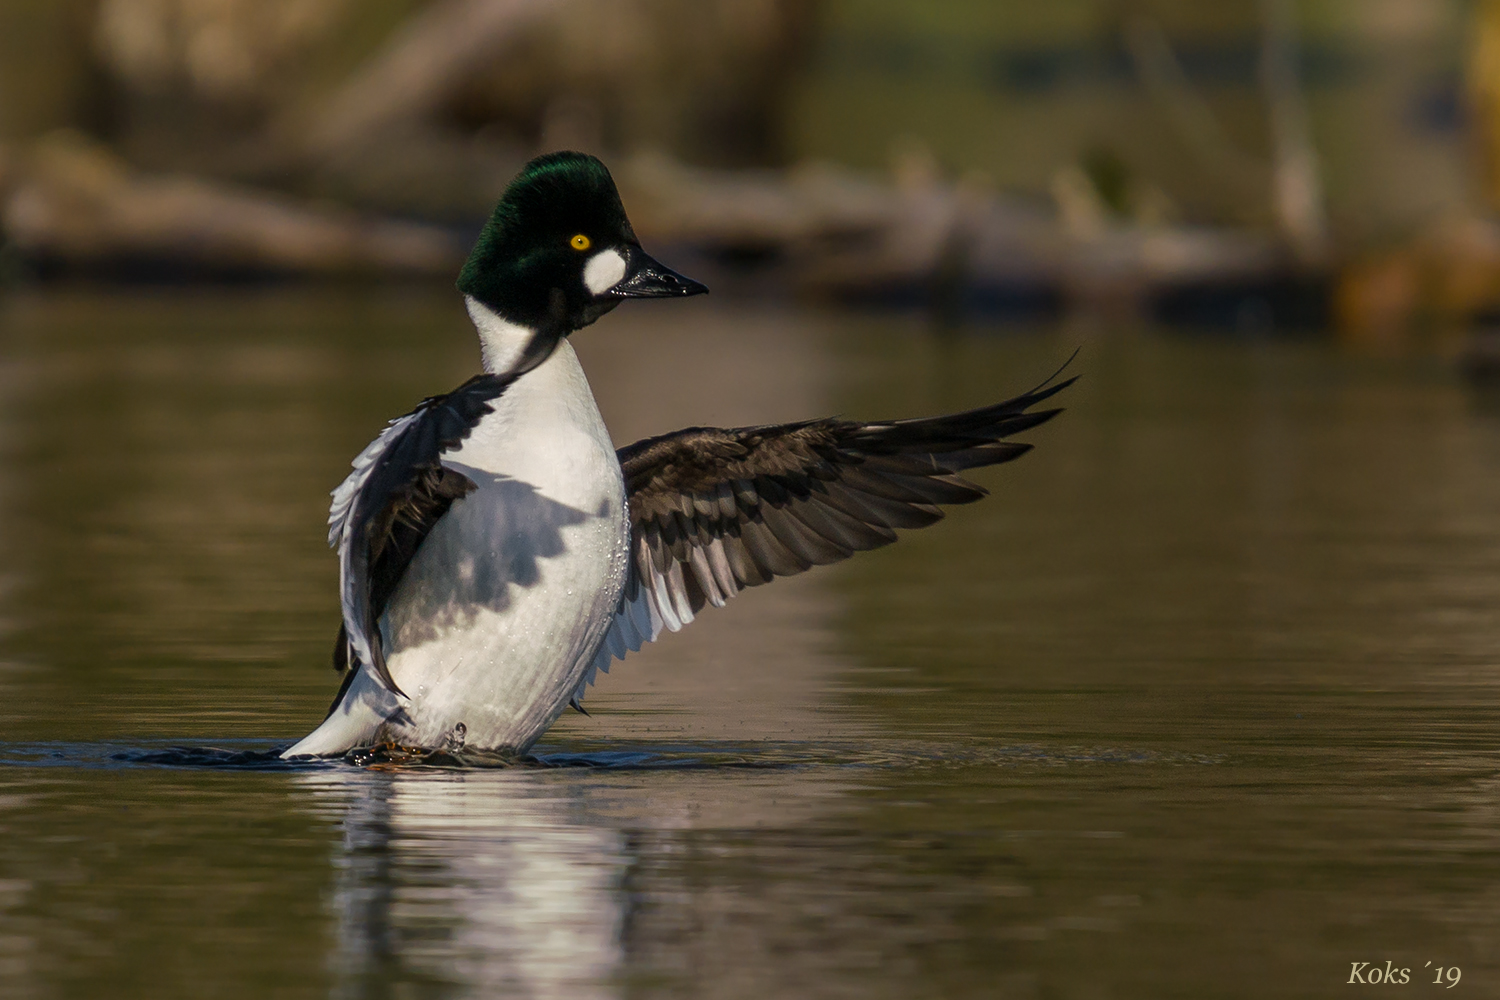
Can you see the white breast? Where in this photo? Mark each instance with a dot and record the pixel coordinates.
(510, 595)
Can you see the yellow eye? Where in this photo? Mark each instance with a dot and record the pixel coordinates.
(580, 242)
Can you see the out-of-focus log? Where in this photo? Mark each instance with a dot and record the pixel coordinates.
(73, 203)
(848, 236)
(749, 209)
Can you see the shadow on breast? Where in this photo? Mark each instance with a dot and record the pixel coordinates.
(489, 545)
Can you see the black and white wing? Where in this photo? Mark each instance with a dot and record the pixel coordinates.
(714, 511)
(385, 508)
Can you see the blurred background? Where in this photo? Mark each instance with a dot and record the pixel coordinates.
(1202, 702)
(1250, 163)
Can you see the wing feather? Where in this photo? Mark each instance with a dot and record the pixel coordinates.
(381, 513)
(714, 511)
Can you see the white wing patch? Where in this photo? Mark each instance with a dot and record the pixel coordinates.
(346, 492)
(661, 604)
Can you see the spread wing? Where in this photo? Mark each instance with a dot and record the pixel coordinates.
(381, 513)
(714, 511)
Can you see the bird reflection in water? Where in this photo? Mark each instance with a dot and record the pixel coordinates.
(478, 883)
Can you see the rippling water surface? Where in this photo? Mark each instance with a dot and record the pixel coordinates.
(1204, 701)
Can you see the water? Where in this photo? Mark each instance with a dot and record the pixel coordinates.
(1202, 702)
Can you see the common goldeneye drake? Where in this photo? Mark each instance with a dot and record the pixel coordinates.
(496, 552)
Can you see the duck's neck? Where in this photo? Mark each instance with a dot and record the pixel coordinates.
(508, 348)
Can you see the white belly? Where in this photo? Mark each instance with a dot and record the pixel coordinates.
(509, 596)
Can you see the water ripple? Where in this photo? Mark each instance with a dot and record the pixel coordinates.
(264, 755)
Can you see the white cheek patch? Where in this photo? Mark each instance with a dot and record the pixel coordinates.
(603, 271)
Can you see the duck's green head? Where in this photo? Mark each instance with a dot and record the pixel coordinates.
(558, 252)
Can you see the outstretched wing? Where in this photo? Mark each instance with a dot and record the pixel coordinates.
(381, 513)
(714, 511)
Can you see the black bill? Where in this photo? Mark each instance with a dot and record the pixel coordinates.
(647, 278)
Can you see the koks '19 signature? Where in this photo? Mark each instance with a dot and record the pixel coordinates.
(1364, 972)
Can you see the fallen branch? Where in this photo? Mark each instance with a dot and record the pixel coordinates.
(73, 202)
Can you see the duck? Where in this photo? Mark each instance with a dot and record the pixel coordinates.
(497, 553)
